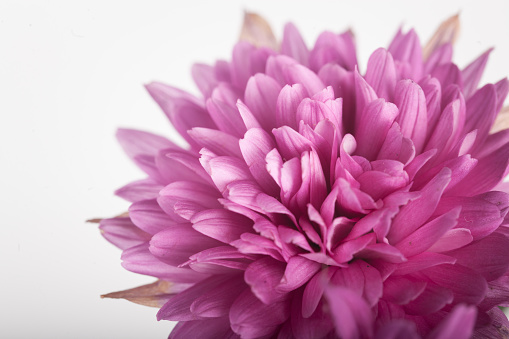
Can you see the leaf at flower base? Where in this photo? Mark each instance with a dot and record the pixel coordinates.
(501, 121)
(447, 32)
(155, 294)
(257, 31)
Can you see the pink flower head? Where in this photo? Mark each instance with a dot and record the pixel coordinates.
(316, 201)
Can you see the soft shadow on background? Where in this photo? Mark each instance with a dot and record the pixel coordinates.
(70, 74)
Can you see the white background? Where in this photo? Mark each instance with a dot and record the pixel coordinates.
(70, 74)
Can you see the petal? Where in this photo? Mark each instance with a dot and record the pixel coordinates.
(216, 302)
(473, 72)
(293, 45)
(176, 244)
(381, 73)
(216, 141)
(256, 30)
(148, 215)
(221, 224)
(350, 313)
(372, 128)
(458, 324)
(447, 32)
(287, 102)
(203, 328)
(298, 271)
(136, 142)
(412, 118)
(250, 318)
(122, 233)
(204, 77)
(139, 190)
(261, 96)
(263, 276)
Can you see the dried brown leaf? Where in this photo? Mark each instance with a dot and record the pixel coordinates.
(256, 30)
(447, 32)
(153, 295)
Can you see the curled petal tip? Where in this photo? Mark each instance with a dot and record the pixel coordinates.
(447, 32)
(257, 31)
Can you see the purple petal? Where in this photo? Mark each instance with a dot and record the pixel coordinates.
(412, 118)
(205, 79)
(136, 142)
(263, 276)
(138, 259)
(287, 102)
(401, 290)
(122, 233)
(148, 215)
(350, 313)
(298, 271)
(216, 141)
(261, 96)
(381, 73)
(176, 244)
(217, 301)
(139, 190)
(221, 224)
(250, 318)
(293, 45)
(473, 72)
(333, 48)
(406, 49)
(372, 128)
(458, 324)
(203, 328)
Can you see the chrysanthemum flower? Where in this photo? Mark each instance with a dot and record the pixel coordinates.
(315, 201)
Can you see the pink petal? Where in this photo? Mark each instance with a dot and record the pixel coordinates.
(372, 128)
(138, 259)
(429, 301)
(333, 48)
(255, 146)
(487, 256)
(221, 224)
(176, 244)
(216, 141)
(481, 111)
(412, 118)
(451, 240)
(364, 94)
(287, 71)
(205, 79)
(185, 198)
(139, 190)
(214, 328)
(401, 290)
(261, 96)
(416, 212)
(318, 325)
(122, 233)
(406, 49)
(250, 318)
(217, 301)
(225, 170)
(184, 111)
(433, 94)
(291, 144)
(381, 73)
(136, 142)
(350, 313)
(298, 271)
(223, 110)
(423, 261)
(148, 216)
(458, 324)
(264, 276)
(473, 72)
(287, 102)
(293, 45)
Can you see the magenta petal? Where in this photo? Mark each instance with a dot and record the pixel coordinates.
(467, 285)
(451, 240)
(205, 79)
(481, 111)
(217, 301)
(333, 48)
(412, 118)
(287, 102)
(221, 224)
(203, 328)
(401, 290)
(350, 313)
(250, 318)
(381, 73)
(293, 45)
(459, 324)
(139, 190)
(429, 301)
(138, 259)
(263, 276)
(372, 128)
(185, 198)
(148, 216)
(261, 96)
(318, 325)
(398, 329)
(255, 146)
(183, 110)
(424, 237)
(473, 72)
(179, 306)
(416, 212)
(423, 261)
(298, 271)
(176, 244)
(487, 256)
(406, 49)
(122, 233)
(136, 142)
(216, 141)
